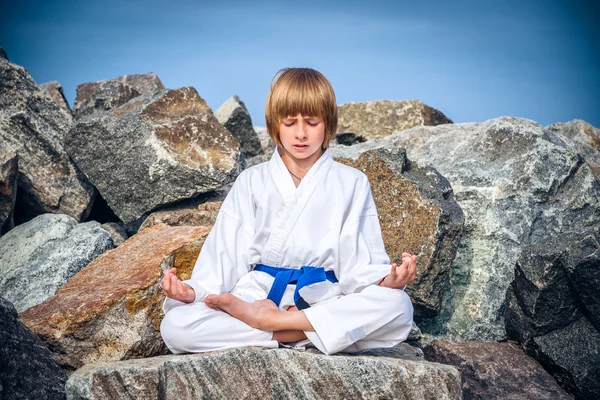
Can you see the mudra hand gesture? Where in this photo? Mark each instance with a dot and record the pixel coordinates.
(401, 275)
(176, 289)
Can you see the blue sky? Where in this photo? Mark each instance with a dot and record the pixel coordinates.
(473, 60)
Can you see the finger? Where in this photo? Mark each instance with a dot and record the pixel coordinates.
(166, 283)
(393, 271)
(402, 271)
(174, 286)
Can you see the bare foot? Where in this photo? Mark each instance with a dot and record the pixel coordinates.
(260, 314)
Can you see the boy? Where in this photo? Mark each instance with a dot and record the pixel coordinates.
(296, 251)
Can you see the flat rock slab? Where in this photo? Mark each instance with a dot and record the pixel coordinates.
(381, 118)
(111, 310)
(248, 373)
(493, 370)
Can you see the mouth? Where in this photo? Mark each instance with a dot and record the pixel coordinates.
(300, 146)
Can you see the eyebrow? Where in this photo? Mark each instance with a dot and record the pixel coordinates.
(311, 117)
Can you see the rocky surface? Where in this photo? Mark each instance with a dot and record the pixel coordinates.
(117, 232)
(417, 213)
(39, 256)
(265, 374)
(159, 148)
(191, 213)
(492, 370)
(266, 143)
(9, 168)
(583, 138)
(111, 310)
(517, 184)
(553, 308)
(27, 368)
(108, 94)
(33, 126)
(56, 93)
(378, 119)
(234, 116)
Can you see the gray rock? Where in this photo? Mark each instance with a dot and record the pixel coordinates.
(417, 213)
(159, 148)
(56, 93)
(583, 138)
(111, 93)
(234, 116)
(9, 169)
(27, 368)
(117, 232)
(378, 119)
(517, 184)
(265, 374)
(553, 301)
(492, 370)
(266, 142)
(39, 256)
(3, 54)
(108, 95)
(33, 126)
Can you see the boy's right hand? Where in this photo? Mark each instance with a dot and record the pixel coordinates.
(176, 289)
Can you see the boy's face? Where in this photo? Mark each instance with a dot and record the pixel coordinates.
(302, 136)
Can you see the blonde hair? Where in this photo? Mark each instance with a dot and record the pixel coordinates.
(301, 91)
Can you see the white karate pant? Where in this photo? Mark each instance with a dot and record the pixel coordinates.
(376, 317)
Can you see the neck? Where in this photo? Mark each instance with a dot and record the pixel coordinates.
(297, 166)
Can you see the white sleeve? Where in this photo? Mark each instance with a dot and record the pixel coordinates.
(223, 259)
(363, 259)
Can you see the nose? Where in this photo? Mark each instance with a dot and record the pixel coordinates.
(301, 131)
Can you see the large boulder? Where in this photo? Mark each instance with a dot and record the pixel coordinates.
(583, 138)
(266, 373)
(417, 213)
(108, 94)
(39, 256)
(111, 310)
(492, 370)
(234, 116)
(517, 184)
(33, 126)
(56, 93)
(27, 368)
(159, 148)
(9, 168)
(380, 118)
(553, 308)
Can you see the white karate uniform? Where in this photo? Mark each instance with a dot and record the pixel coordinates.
(329, 220)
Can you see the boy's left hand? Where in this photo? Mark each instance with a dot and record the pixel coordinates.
(401, 275)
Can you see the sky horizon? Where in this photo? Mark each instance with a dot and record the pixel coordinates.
(473, 61)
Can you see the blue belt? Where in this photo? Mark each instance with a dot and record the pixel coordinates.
(301, 277)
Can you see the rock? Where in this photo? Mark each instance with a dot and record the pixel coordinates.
(111, 310)
(263, 373)
(517, 184)
(161, 147)
(349, 138)
(193, 212)
(266, 143)
(107, 96)
(39, 256)
(3, 55)
(33, 126)
(111, 93)
(378, 119)
(417, 213)
(27, 369)
(492, 370)
(234, 116)
(9, 169)
(583, 138)
(56, 93)
(117, 232)
(554, 300)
